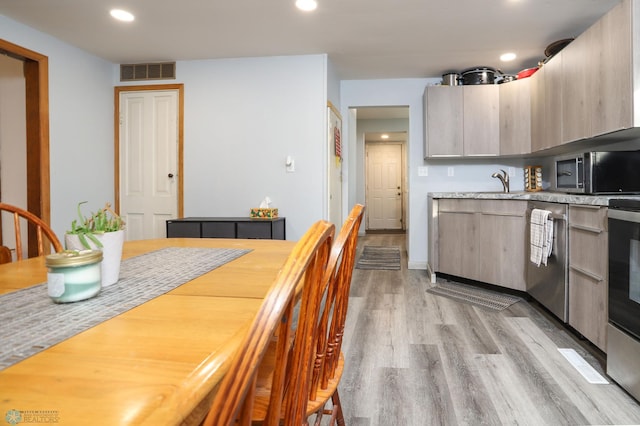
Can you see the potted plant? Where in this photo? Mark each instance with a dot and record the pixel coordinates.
(102, 230)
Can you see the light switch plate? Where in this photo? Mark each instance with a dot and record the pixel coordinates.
(449, 171)
(423, 171)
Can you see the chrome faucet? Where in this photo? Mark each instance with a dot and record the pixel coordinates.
(504, 178)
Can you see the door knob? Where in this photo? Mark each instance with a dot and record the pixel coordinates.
(170, 175)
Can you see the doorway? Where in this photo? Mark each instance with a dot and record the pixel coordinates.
(386, 129)
(36, 100)
(149, 158)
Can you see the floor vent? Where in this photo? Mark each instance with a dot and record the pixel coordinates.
(150, 71)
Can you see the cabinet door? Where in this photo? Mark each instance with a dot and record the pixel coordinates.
(457, 251)
(481, 120)
(443, 110)
(515, 117)
(610, 72)
(588, 272)
(183, 229)
(218, 229)
(575, 104)
(536, 82)
(553, 102)
(501, 246)
(260, 230)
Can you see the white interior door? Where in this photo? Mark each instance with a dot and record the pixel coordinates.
(384, 186)
(148, 161)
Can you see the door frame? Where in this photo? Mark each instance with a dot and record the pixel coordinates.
(36, 74)
(116, 132)
(403, 180)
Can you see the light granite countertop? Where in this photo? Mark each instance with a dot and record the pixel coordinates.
(554, 197)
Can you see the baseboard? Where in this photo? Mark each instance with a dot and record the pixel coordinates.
(417, 265)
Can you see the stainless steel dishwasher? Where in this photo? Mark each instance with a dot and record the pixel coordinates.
(549, 284)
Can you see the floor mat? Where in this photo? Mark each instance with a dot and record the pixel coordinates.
(473, 295)
(379, 257)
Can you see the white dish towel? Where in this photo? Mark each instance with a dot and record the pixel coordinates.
(541, 236)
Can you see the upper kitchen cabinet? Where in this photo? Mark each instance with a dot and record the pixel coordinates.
(611, 77)
(461, 120)
(515, 117)
(546, 105)
(443, 121)
(481, 119)
(536, 83)
(575, 103)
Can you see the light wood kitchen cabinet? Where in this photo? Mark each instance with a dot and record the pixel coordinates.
(457, 249)
(443, 121)
(588, 272)
(546, 105)
(611, 70)
(501, 228)
(553, 101)
(515, 117)
(462, 121)
(483, 240)
(575, 98)
(536, 83)
(481, 119)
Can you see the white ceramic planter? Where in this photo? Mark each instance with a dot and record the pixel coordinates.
(111, 253)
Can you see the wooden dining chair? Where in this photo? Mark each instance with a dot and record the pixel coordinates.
(322, 365)
(329, 358)
(271, 329)
(42, 230)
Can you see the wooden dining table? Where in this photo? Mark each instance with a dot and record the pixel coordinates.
(156, 364)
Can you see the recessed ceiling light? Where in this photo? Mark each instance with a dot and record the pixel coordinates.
(122, 15)
(507, 57)
(306, 5)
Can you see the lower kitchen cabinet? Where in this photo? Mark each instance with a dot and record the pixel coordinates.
(502, 226)
(227, 227)
(588, 272)
(457, 250)
(483, 240)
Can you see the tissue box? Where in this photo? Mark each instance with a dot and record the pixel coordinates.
(262, 213)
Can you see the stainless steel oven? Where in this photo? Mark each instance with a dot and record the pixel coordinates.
(623, 332)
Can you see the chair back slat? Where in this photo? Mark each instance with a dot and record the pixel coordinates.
(41, 228)
(234, 397)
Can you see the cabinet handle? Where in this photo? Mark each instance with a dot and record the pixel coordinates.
(455, 212)
(502, 214)
(588, 274)
(586, 228)
(585, 206)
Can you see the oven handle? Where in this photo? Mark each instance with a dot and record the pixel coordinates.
(625, 215)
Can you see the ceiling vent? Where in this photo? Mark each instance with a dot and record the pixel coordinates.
(150, 71)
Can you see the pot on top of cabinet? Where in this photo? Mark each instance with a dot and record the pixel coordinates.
(479, 75)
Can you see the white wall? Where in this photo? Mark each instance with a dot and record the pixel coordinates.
(81, 122)
(474, 176)
(242, 118)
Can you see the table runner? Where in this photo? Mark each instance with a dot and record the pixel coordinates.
(31, 322)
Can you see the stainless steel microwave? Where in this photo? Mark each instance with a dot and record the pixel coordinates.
(610, 172)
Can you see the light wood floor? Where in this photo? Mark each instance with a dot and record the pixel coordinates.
(414, 358)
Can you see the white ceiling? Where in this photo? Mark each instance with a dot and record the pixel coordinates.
(365, 39)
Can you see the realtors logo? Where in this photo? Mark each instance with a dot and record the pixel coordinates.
(14, 417)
